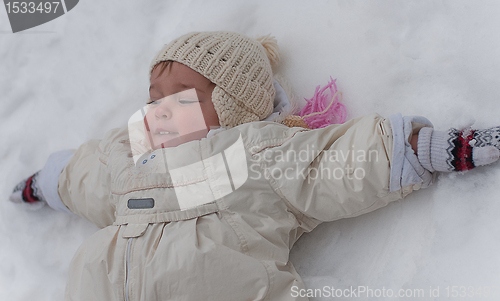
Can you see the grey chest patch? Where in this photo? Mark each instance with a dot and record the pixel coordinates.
(146, 203)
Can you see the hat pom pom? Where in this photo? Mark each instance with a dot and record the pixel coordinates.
(320, 111)
(270, 44)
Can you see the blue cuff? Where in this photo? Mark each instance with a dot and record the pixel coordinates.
(405, 168)
(49, 179)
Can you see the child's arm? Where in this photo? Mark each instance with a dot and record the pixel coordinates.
(341, 170)
(355, 167)
(84, 184)
(75, 181)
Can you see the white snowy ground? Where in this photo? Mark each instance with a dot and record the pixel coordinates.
(84, 73)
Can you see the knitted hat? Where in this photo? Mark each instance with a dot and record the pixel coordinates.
(239, 66)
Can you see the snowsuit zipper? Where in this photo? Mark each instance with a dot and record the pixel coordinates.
(127, 269)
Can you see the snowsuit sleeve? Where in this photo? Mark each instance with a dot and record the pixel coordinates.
(335, 172)
(84, 183)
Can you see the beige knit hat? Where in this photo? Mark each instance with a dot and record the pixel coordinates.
(239, 66)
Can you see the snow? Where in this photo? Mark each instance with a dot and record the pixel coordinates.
(76, 77)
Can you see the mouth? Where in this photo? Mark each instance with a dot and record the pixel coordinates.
(163, 132)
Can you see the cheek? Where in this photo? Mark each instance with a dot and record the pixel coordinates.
(211, 117)
(191, 120)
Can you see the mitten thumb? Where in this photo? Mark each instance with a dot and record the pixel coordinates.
(485, 155)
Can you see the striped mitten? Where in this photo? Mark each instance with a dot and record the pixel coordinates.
(28, 191)
(457, 150)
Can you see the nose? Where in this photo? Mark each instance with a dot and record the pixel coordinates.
(163, 110)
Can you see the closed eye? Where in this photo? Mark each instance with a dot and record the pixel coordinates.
(153, 102)
(187, 101)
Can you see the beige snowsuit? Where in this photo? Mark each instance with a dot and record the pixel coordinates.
(215, 219)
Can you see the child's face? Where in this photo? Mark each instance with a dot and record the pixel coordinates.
(181, 107)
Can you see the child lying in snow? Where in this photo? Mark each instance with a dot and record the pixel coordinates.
(200, 199)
